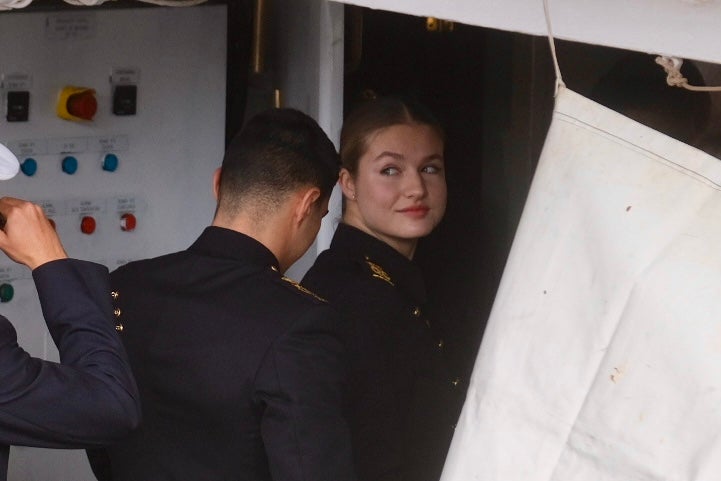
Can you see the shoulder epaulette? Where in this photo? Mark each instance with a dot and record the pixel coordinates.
(302, 289)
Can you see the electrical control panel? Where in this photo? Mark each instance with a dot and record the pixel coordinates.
(117, 117)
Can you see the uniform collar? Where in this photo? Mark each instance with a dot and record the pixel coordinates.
(227, 243)
(404, 273)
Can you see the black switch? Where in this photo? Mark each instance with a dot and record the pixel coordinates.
(18, 106)
(124, 99)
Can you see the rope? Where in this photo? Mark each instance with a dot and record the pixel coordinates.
(672, 66)
(552, 43)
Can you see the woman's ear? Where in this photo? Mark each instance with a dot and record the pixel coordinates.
(347, 184)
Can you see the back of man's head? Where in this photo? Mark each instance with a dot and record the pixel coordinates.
(276, 152)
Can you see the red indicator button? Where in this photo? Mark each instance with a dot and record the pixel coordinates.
(87, 225)
(128, 222)
(83, 105)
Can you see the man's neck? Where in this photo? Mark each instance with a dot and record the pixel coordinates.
(273, 232)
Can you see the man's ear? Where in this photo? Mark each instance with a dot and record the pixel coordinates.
(306, 203)
(347, 184)
(216, 183)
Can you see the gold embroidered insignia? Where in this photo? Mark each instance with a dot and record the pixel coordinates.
(378, 272)
(302, 289)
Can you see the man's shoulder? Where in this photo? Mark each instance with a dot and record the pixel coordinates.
(144, 266)
(7, 332)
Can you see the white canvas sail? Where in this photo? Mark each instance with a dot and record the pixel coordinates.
(602, 356)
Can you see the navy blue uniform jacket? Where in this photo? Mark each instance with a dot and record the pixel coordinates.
(239, 370)
(402, 399)
(88, 400)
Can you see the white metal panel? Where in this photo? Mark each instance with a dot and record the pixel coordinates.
(167, 151)
(309, 38)
(682, 28)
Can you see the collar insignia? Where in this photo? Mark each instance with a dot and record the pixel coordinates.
(378, 272)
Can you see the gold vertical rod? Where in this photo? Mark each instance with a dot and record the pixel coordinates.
(259, 36)
(276, 99)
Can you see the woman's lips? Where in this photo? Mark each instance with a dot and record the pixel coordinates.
(416, 211)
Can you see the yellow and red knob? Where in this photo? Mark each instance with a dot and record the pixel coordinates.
(77, 103)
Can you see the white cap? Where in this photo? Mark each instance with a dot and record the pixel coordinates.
(9, 164)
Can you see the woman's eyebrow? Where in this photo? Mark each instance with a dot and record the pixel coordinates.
(388, 153)
(398, 156)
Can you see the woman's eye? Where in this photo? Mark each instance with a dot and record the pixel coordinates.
(431, 169)
(390, 171)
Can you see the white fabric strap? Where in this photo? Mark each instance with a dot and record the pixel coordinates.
(552, 43)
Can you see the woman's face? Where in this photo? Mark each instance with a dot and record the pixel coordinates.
(398, 193)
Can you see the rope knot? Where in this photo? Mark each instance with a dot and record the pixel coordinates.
(672, 66)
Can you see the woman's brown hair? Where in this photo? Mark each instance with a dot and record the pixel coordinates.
(375, 114)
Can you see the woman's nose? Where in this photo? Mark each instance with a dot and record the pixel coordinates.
(415, 186)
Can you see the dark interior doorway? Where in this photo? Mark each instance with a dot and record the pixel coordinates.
(442, 65)
(493, 92)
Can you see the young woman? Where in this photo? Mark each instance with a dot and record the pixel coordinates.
(401, 403)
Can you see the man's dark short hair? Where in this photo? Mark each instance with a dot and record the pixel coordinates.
(277, 152)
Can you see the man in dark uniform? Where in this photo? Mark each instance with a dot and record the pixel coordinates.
(90, 399)
(240, 369)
